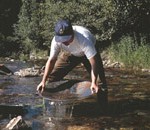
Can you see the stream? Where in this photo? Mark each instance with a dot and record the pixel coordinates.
(128, 102)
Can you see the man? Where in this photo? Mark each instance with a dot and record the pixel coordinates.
(82, 48)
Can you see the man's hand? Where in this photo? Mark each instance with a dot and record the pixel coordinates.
(94, 88)
(41, 87)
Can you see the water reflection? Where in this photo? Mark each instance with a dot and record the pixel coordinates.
(59, 101)
(58, 110)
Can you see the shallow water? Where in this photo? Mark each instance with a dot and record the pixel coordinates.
(128, 98)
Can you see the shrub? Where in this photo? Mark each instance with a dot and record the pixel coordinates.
(130, 54)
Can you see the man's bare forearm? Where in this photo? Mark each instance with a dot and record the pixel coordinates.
(94, 71)
(48, 68)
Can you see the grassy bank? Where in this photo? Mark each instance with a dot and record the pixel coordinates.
(131, 55)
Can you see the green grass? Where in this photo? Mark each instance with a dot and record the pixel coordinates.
(130, 54)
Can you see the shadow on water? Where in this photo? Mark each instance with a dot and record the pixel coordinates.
(7, 111)
(62, 86)
(128, 106)
(115, 108)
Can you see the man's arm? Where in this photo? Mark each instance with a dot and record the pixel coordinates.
(94, 74)
(97, 69)
(48, 69)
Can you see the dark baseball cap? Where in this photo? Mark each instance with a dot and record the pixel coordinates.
(63, 31)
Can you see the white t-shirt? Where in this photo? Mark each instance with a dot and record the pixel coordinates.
(82, 44)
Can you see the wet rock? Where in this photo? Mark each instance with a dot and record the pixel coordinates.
(4, 70)
(126, 128)
(146, 70)
(79, 128)
(17, 123)
(50, 124)
(108, 63)
(141, 113)
(28, 72)
(9, 59)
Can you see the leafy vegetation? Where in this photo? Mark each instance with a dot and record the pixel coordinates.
(108, 20)
(132, 55)
(8, 16)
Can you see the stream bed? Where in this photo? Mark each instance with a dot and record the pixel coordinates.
(128, 102)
